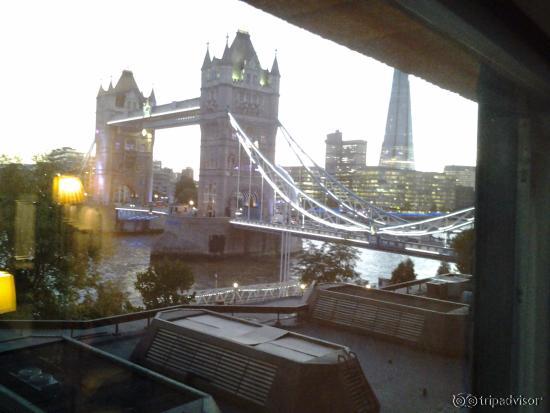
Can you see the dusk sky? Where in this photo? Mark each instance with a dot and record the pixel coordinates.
(57, 53)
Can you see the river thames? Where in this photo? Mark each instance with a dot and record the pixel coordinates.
(120, 258)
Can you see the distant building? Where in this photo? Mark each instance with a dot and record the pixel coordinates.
(304, 181)
(463, 175)
(397, 148)
(157, 166)
(464, 197)
(69, 160)
(163, 182)
(465, 178)
(402, 189)
(188, 172)
(343, 155)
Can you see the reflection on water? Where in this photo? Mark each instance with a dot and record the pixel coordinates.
(121, 257)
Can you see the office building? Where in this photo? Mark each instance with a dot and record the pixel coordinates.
(401, 189)
(343, 155)
(397, 148)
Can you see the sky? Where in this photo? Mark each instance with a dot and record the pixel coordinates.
(57, 53)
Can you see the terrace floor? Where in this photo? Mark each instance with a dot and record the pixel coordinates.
(398, 374)
(403, 378)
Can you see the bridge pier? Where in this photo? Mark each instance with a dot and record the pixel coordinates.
(201, 236)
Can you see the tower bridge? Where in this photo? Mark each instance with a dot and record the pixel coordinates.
(239, 182)
(126, 121)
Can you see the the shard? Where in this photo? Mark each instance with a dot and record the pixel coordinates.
(397, 149)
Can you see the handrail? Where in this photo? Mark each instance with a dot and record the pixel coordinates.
(405, 284)
(147, 314)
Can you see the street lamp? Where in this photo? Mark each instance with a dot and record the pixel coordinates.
(191, 203)
(303, 288)
(235, 289)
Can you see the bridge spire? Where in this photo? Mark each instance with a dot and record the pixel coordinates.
(226, 58)
(101, 91)
(207, 59)
(275, 66)
(152, 99)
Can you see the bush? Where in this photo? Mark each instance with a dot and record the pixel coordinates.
(329, 263)
(464, 246)
(164, 283)
(403, 272)
(444, 268)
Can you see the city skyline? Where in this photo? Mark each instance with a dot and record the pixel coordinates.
(329, 86)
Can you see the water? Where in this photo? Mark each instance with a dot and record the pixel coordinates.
(122, 257)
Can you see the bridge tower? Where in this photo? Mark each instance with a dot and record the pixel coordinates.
(124, 154)
(237, 83)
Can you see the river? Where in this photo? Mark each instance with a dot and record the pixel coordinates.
(121, 257)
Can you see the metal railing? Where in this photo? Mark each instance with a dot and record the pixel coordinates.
(366, 240)
(250, 293)
(116, 321)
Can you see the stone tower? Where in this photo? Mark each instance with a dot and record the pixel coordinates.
(397, 149)
(237, 83)
(123, 168)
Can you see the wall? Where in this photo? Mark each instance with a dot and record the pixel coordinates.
(197, 236)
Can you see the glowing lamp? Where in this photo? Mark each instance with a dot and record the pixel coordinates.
(7, 293)
(302, 287)
(68, 189)
(235, 285)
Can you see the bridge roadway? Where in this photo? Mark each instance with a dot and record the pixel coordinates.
(431, 248)
(182, 113)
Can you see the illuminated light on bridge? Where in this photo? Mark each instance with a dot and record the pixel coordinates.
(356, 222)
(421, 250)
(188, 111)
(142, 210)
(328, 217)
(297, 231)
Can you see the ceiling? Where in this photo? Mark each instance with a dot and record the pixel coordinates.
(442, 41)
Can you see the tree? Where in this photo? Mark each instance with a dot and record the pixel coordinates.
(444, 268)
(110, 299)
(164, 283)
(60, 279)
(328, 263)
(403, 272)
(464, 246)
(186, 190)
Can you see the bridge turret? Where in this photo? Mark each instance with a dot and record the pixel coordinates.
(275, 75)
(123, 154)
(152, 98)
(226, 59)
(101, 91)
